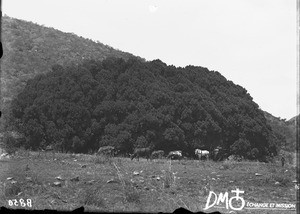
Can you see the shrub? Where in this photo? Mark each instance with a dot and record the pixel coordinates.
(131, 195)
(169, 177)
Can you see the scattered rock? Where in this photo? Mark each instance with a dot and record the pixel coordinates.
(19, 193)
(257, 174)
(57, 184)
(136, 173)
(9, 178)
(90, 182)
(112, 181)
(294, 181)
(213, 179)
(146, 188)
(13, 182)
(157, 178)
(75, 160)
(230, 181)
(75, 178)
(59, 178)
(277, 183)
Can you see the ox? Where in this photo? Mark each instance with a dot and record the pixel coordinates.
(157, 154)
(202, 154)
(108, 151)
(175, 155)
(141, 152)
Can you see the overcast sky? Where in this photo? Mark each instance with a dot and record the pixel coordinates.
(251, 42)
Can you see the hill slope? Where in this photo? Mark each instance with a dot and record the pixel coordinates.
(31, 49)
(284, 130)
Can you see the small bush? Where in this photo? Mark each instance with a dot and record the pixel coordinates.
(168, 176)
(131, 195)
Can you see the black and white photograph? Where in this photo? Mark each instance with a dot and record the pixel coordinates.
(148, 106)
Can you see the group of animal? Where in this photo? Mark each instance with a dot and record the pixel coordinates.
(148, 154)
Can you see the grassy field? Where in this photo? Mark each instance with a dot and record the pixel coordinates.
(121, 185)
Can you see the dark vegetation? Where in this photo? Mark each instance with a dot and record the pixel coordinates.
(284, 130)
(76, 102)
(31, 49)
(129, 104)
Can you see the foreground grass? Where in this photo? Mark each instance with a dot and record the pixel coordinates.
(121, 185)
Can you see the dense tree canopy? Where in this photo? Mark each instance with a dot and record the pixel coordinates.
(129, 104)
(30, 49)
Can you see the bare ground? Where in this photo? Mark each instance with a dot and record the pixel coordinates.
(121, 185)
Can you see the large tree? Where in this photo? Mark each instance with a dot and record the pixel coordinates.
(131, 103)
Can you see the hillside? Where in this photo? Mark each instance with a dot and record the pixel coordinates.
(31, 49)
(284, 130)
(293, 120)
